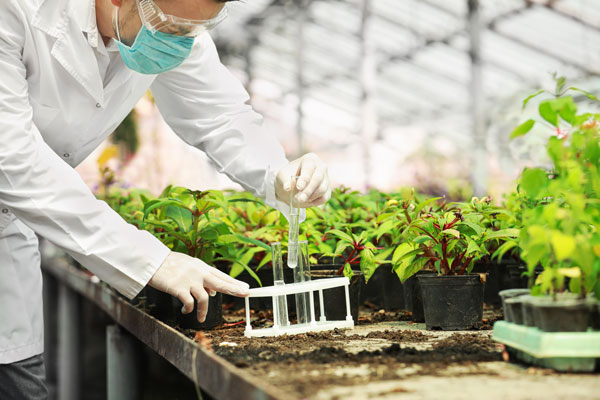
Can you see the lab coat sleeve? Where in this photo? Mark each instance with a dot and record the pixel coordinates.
(208, 108)
(49, 196)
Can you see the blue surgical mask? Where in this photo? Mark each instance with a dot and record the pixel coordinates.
(153, 53)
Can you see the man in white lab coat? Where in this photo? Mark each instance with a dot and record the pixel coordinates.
(70, 71)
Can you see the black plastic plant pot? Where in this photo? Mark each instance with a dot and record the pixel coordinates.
(214, 317)
(373, 291)
(595, 318)
(384, 289)
(335, 299)
(413, 298)
(492, 283)
(564, 315)
(516, 279)
(158, 304)
(528, 310)
(514, 308)
(507, 294)
(452, 302)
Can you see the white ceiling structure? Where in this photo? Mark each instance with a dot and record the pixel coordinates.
(422, 68)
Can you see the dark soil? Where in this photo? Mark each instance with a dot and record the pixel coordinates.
(457, 348)
(304, 364)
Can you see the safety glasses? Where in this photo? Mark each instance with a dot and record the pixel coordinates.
(156, 20)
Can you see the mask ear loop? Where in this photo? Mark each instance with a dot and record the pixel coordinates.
(116, 23)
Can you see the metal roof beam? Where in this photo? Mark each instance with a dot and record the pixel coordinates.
(552, 5)
(545, 52)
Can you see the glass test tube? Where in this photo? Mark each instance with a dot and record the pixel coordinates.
(280, 310)
(292, 260)
(302, 274)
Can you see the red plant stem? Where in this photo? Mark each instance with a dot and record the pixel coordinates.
(353, 260)
(234, 323)
(428, 234)
(458, 260)
(408, 218)
(464, 266)
(451, 224)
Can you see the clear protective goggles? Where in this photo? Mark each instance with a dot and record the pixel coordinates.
(156, 20)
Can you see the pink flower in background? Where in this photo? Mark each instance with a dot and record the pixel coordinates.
(561, 134)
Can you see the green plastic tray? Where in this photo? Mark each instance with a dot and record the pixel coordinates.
(562, 351)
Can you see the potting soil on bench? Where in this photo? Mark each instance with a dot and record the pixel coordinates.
(386, 356)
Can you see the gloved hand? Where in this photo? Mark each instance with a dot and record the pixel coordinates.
(187, 278)
(312, 184)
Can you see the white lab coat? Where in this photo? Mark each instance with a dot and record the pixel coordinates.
(61, 94)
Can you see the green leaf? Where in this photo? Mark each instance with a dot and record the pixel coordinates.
(424, 204)
(153, 204)
(348, 270)
(236, 269)
(383, 217)
(503, 233)
(384, 228)
(531, 96)
(506, 246)
(563, 245)
(422, 239)
(408, 268)
(548, 112)
(476, 227)
(340, 247)
(367, 264)
(452, 232)
(560, 84)
(533, 181)
(402, 250)
(586, 93)
(567, 109)
(267, 258)
(209, 234)
(341, 235)
(522, 129)
(255, 242)
(181, 216)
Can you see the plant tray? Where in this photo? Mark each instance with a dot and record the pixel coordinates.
(561, 351)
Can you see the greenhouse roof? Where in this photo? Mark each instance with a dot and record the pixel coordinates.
(422, 50)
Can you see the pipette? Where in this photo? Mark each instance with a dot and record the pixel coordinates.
(292, 260)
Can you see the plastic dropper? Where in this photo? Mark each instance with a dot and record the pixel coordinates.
(292, 260)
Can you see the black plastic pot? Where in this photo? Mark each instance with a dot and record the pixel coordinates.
(158, 304)
(528, 311)
(516, 279)
(373, 290)
(508, 307)
(452, 302)
(514, 308)
(413, 299)
(384, 289)
(564, 315)
(335, 299)
(595, 318)
(214, 317)
(493, 283)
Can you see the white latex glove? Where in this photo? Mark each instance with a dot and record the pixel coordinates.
(312, 184)
(188, 278)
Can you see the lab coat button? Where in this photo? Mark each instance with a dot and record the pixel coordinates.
(66, 155)
(98, 105)
(5, 210)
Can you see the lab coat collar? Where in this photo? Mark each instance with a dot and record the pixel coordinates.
(59, 19)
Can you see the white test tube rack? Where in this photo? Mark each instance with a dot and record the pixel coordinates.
(313, 325)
